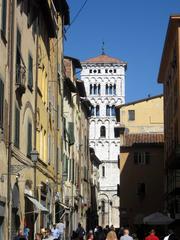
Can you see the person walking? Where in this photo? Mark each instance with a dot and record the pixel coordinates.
(111, 235)
(100, 235)
(90, 235)
(55, 232)
(126, 235)
(152, 235)
(80, 232)
(61, 228)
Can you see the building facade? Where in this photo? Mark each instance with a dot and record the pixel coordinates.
(169, 77)
(141, 135)
(104, 79)
(29, 178)
(76, 159)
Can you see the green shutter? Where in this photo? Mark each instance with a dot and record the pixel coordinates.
(30, 71)
(29, 142)
(3, 20)
(1, 102)
(71, 133)
(17, 122)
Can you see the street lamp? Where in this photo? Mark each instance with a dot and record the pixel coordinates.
(34, 158)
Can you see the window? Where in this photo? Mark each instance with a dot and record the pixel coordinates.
(106, 89)
(108, 110)
(95, 89)
(117, 132)
(106, 70)
(30, 72)
(65, 168)
(114, 89)
(114, 70)
(3, 19)
(110, 70)
(103, 171)
(103, 206)
(97, 110)
(92, 111)
(141, 158)
(103, 131)
(1, 102)
(113, 111)
(91, 88)
(99, 89)
(131, 115)
(29, 139)
(95, 71)
(49, 149)
(90, 70)
(99, 70)
(110, 89)
(141, 189)
(18, 56)
(17, 122)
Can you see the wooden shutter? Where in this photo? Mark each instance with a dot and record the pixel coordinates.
(71, 133)
(3, 20)
(30, 71)
(17, 122)
(29, 142)
(1, 102)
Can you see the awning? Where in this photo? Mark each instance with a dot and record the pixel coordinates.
(157, 218)
(38, 205)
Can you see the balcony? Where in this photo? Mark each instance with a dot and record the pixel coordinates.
(20, 79)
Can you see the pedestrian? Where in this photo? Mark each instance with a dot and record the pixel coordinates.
(26, 232)
(20, 235)
(126, 235)
(80, 232)
(120, 233)
(100, 235)
(74, 236)
(106, 229)
(90, 235)
(111, 235)
(171, 235)
(38, 236)
(152, 235)
(55, 232)
(61, 228)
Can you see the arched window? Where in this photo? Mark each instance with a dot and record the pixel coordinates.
(97, 110)
(106, 89)
(95, 89)
(114, 88)
(103, 131)
(113, 111)
(99, 89)
(103, 206)
(110, 89)
(91, 88)
(103, 171)
(108, 110)
(92, 111)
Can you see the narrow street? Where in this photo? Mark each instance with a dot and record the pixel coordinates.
(89, 120)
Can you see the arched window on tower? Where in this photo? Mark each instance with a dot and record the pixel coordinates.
(97, 110)
(103, 171)
(108, 110)
(110, 89)
(114, 90)
(106, 89)
(99, 89)
(113, 111)
(95, 89)
(103, 206)
(92, 111)
(91, 88)
(103, 131)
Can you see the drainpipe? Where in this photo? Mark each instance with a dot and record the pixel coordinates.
(11, 103)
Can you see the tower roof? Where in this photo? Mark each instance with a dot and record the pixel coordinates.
(103, 58)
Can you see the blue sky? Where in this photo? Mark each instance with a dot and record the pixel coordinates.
(133, 30)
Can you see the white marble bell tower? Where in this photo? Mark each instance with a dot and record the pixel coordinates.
(104, 79)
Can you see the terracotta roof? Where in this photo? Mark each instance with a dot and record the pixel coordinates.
(143, 138)
(103, 58)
